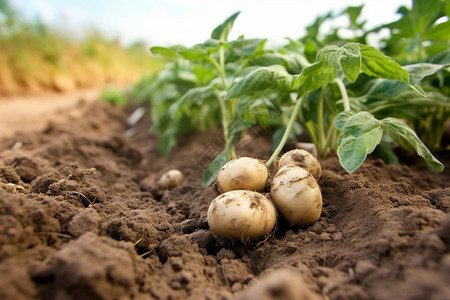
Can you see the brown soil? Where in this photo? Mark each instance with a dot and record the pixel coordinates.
(81, 218)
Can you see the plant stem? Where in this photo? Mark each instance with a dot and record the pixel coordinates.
(286, 132)
(227, 109)
(321, 131)
(343, 93)
(221, 71)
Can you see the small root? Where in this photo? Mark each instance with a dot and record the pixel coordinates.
(54, 233)
(80, 194)
(146, 253)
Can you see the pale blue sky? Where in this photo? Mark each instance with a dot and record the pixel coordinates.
(166, 22)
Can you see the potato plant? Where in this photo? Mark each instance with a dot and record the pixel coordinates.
(349, 96)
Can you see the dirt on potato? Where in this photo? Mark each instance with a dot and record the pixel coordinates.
(81, 217)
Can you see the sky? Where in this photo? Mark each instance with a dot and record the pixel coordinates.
(187, 22)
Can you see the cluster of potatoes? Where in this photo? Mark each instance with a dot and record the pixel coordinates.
(243, 211)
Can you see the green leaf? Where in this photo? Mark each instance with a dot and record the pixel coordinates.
(313, 77)
(221, 32)
(386, 89)
(167, 141)
(210, 173)
(328, 53)
(349, 58)
(198, 95)
(193, 53)
(342, 118)
(164, 51)
(361, 133)
(310, 51)
(291, 61)
(418, 72)
(246, 47)
(385, 152)
(440, 32)
(353, 13)
(417, 20)
(375, 63)
(259, 80)
(407, 138)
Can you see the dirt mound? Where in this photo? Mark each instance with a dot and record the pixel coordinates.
(81, 218)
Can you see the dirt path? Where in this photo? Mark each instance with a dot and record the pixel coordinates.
(33, 113)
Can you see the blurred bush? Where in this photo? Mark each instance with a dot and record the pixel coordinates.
(36, 57)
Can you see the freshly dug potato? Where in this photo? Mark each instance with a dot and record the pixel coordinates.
(171, 179)
(297, 195)
(242, 173)
(241, 215)
(303, 159)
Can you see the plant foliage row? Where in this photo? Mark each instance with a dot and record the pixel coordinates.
(348, 96)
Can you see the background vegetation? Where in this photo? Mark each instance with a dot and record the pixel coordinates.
(36, 57)
(334, 72)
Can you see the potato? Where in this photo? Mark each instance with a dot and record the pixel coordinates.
(296, 195)
(242, 173)
(171, 179)
(241, 215)
(303, 159)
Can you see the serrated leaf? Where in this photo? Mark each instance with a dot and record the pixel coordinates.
(221, 32)
(313, 77)
(361, 133)
(259, 80)
(407, 138)
(164, 51)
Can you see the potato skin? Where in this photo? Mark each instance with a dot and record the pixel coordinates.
(241, 215)
(303, 159)
(242, 173)
(171, 179)
(296, 195)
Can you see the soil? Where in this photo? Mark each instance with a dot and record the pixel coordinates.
(81, 217)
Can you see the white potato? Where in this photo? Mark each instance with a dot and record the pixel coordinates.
(303, 159)
(171, 179)
(242, 173)
(241, 215)
(296, 195)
